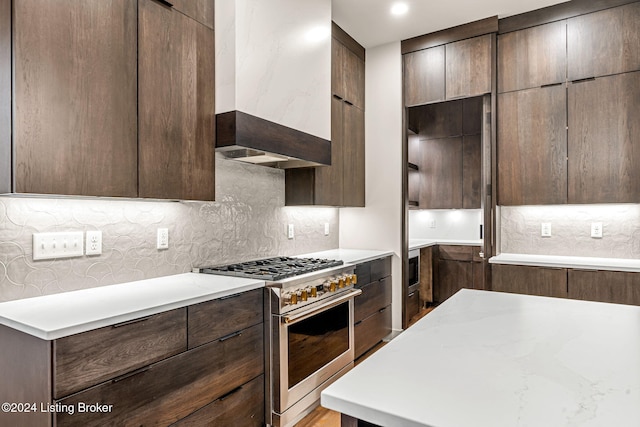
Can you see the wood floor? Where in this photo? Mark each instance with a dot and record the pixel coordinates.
(322, 417)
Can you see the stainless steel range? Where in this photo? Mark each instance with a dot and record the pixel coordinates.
(309, 331)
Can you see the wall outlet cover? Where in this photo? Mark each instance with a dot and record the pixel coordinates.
(163, 238)
(326, 228)
(596, 230)
(93, 242)
(290, 231)
(545, 229)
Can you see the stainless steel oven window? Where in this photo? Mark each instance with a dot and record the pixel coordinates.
(316, 341)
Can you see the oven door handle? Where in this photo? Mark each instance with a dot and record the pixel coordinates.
(290, 320)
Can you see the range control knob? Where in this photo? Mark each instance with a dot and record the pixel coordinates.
(330, 286)
(294, 298)
(304, 294)
(313, 292)
(341, 282)
(347, 280)
(354, 279)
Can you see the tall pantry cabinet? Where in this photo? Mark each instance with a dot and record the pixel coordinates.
(569, 109)
(110, 98)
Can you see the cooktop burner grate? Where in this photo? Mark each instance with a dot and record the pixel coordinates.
(273, 269)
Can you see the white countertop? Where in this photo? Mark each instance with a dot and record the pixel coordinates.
(349, 256)
(59, 315)
(423, 243)
(585, 263)
(490, 359)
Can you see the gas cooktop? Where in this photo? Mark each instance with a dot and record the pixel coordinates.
(273, 269)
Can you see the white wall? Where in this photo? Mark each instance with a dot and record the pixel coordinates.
(379, 224)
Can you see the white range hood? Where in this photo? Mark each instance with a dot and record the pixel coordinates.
(273, 80)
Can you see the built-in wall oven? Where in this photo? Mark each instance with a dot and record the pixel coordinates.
(308, 330)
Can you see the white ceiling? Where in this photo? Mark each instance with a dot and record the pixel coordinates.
(371, 24)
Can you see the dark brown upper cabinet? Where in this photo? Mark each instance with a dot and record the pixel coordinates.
(441, 169)
(471, 167)
(200, 10)
(468, 67)
(532, 57)
(342, 183)
(74, 122)
(176, 105)
(604, 140)
(424, 76)
(532, 147)
(604, 43)
(5, 96)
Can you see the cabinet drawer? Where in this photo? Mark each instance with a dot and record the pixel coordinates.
(372, 330)
(214, 319)
(605, 286)
(86, 359)
(374, 296)
(456, 253)
(242, 407)
(550, 282)
(168, 391)
(363, 271)
(380, 268)
(412, 305)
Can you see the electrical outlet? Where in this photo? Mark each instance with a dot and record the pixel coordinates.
(596, 230)
(432, 223)
(326, 228)
(57, 245)
(290, 233)
(545, 229)
(163, 238)
(94, 242)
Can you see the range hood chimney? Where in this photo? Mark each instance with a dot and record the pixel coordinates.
(273, 81)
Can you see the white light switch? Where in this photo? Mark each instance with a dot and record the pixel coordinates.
(326, 228)
(163, 238)
(290, 232)
(432, 223)
(94, 242)
(545, 229)
(57, 245)
(596, 230)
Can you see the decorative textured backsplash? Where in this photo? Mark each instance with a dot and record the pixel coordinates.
(450, 224)
(571, 230)
(247, 221)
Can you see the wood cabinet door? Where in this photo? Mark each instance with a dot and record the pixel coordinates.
(329, 180)
(75, 130)
(200, 10)
(242, 407)
(353, 153)
(426, 275)
(604, 42)
(604, 140)
(371, 331)
(532, 147)
(441, 186)
(89, 358)
(532, 57)
(452, 276)
(550, 282)
(5, 97)
(424, 76)
(174, 388)
(468, 67)
(471, 171)
(605, 286)
(375, 295)
(176, 105)
(338, 53)
(354, 79)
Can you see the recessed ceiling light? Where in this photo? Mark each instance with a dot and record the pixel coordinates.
(399, 9)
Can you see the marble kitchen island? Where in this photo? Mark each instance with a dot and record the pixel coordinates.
(490, 359)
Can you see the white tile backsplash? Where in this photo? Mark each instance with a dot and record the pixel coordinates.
(450, 224)
(571, 230)
(246, 222)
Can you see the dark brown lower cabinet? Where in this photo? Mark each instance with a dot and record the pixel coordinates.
(605, 286)
(549, 282)
(370, 331)
(141, 372)
(411, 306)
(457, 267)
(372, 309)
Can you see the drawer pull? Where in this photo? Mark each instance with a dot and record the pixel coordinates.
(165, 3)
(235, 390)
(229, 297)
(233, 335)
(338, 97)
(411, 294)
(588, 79)
(130, 374)
(382, 309)
(357, 323)
(131, 322)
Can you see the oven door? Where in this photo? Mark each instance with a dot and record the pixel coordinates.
(310, 347)
(413, 281)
